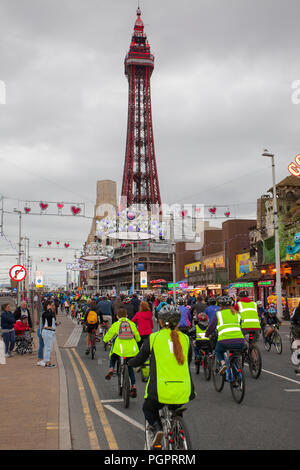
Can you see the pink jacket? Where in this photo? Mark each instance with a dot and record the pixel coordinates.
(144, 322)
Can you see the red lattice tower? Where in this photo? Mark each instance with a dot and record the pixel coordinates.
(140, 181)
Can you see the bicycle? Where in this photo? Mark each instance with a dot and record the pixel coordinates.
(251, 356)
(175, 433)
(204, 360)
(123, 380)
(234, 374)
(92, 343)
(104, 331)
(274, 338)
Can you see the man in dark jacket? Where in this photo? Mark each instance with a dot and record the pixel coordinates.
(23, 310)
(136, 303)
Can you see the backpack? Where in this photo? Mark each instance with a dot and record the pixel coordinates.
(92, 317)
(125, 331)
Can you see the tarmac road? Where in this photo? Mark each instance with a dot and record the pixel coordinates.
(268, 418)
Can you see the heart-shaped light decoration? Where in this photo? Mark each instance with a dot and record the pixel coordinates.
(48, 259)
(67, 245)
(212, 210)
(27, 210)
(43, 206)
(183, 213)
(40, 245)
(42, 260)
(75, 210)
(130, 215)
(49, 243)
(60, 205)
(54, 259)
(198, 209)
(227, 214)
(57, 243)
(59, 260)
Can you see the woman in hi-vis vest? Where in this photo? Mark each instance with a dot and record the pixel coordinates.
(170, 380)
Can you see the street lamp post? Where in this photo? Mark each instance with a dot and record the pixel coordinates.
(277, 250)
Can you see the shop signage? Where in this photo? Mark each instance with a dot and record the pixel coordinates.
(214, 286)
(265, 283)
(143, 280)
(243, 264)
(140, 266)
(241, 285)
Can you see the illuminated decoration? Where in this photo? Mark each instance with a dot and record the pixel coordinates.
(43, 206)
(75, 210)
(212, 210)
(294, 167)
(66, 245)
(227, 214)
(27, 210)
(79, 265)
(132, 225)
(53, 260)
(60, 205)
(97, 252)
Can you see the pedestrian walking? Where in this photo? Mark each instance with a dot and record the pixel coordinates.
(8, 332)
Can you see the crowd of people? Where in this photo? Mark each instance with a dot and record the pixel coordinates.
(218, 324)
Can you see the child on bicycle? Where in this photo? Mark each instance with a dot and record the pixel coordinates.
(90, 322)
(270, 320)
(124, 336)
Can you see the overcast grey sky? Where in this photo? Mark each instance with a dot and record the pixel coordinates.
(221, 92)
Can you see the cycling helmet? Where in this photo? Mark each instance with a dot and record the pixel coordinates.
(170, 315)
(259, 303)
(243, 293)
(211, 301)
(203, 317)
(224, 301)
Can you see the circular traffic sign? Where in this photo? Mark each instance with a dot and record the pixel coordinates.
(17, 273)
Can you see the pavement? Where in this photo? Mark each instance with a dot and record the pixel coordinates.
(34, 409)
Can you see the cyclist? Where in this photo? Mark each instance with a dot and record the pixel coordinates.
(227, 323)
(170, 380)
(211, 308)
(125, 337)
(91, 322)
(198, 333)
(249, 315)
(185, 320)
(270, 320)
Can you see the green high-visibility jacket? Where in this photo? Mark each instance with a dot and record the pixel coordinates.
(171, 382)
(124, 347)
(228, 325)
(200, 334)
(249, 315)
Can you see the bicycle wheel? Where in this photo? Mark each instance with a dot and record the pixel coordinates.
(119, 376)
(180, 437)
(237, 385)
(93, 345)
(197, 365)
(255, 362)
(126, 386)
(218, 379)
(207, 367)
(267, 344)
(277, 341)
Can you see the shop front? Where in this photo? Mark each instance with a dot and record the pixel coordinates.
(265, 289)
(240, 286)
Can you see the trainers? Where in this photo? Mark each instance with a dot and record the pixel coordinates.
(133, 392)
(158, 434)
(222, 369)
(50, 365)
(40, 363)
(109, 374)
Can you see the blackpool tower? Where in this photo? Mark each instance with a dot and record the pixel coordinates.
(140, 181)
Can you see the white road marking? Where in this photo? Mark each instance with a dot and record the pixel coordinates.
(125, 417)
(292, 390)
(281, 376)
(114, 400)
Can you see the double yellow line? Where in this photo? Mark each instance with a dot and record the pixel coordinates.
(94, 442)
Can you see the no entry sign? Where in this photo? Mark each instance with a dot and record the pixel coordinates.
(17, 273)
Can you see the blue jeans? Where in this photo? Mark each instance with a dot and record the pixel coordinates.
(48, 338)
(112, 363)
(221, 348)
(41, 344)
(9, 340)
